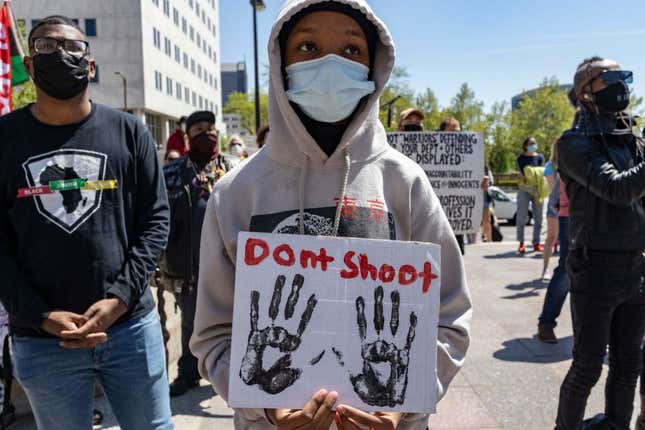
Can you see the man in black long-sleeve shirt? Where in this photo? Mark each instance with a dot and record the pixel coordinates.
(83, 219)
(603, 166)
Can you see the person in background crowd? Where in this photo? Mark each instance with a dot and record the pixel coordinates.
(236, 148)
(262, 135)
(530, 157)
(558, 288)
(487, 182)
(83, 220)
(172, 156)
(327, 168)
(602, 164)
(178, 141)
(452, 124)
(552, 177)
(190, 181)
(411, 119)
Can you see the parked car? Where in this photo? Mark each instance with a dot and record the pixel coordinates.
(506, 206)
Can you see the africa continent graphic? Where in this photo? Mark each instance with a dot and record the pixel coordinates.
(71, 198)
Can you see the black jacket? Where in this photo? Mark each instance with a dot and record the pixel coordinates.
(188, 197)
(604, 173)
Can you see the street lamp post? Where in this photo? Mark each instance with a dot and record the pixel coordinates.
(257, 5)
(125, 90)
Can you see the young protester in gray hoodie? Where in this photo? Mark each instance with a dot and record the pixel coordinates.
(327, 169)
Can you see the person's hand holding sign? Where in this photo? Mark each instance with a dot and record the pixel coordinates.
(280, 375)
(316, 415)
(368, 384)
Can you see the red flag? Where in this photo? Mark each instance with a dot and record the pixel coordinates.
(5, 61)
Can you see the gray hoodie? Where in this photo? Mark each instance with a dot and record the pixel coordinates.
(291, 186)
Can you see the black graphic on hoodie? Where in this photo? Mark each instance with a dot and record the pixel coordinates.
(359, 222)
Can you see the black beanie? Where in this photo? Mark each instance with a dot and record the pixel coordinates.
(366, 25)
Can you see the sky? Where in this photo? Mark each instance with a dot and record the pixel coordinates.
(499, 47)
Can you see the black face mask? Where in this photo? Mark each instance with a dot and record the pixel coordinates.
(61, 75)
(412, 127)
(614, 98)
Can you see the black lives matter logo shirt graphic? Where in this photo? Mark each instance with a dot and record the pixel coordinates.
(67, 185)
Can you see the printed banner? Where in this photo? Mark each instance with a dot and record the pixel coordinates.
(5, 61)
(357, 316)
(454, 163)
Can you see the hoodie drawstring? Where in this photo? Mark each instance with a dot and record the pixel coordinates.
(301, 195)
(343, 193)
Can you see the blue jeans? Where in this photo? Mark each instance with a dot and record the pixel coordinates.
(130, 366)
(558, 288)
(525, 199)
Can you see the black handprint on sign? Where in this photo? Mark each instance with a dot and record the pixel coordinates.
(280, 375)
(368, 384)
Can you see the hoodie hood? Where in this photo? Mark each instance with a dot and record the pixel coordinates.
(289, 141)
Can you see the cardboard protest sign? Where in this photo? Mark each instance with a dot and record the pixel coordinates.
(357, 316)
(454, 163)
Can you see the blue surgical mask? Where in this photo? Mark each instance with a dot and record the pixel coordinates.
(532, 148)
(328, 89)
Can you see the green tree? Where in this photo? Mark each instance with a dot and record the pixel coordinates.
(467, 110)
(398, 86)
(428, 103)
(543, 114)
(23, 95)
(244, 106)
(500, 154)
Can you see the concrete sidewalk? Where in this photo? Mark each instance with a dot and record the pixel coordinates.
(510, 380)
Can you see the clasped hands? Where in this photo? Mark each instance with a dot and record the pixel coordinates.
(87, 330)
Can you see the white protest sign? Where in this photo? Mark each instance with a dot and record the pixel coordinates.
(357, 316)
(454, 163)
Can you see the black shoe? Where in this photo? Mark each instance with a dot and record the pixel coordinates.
(180, 385)
(546, 334)
(7, 417)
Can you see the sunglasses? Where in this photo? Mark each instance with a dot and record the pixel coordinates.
(49, 45)
(613, 76)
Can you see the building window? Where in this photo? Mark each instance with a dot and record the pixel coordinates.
(203, 17)
(186, 94)
(175, 16)
(168, 46)
(90, 27)
(192, 66)
(199, 71)
(215, 82)
(186, 61)
(210, 79)
(169, 86)
(210, 52)
(194, 99)
(208, 20)
(156, 37)
(158, 81)
(192, 33)
(197, 9)
(201, 102)
(155, 2)
(154, 126)
(178, 91)
(190, 3)
(177, 54)
(95, 79)
(199, 40)
(166, 7)
(184, 25)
